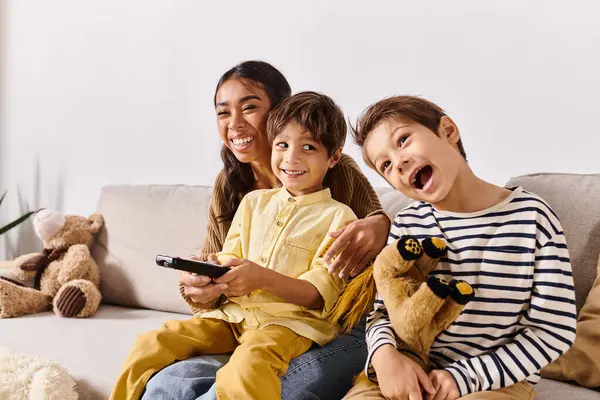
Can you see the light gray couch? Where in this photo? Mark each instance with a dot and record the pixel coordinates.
(142, 221)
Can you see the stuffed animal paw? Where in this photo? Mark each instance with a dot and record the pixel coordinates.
(459, 290)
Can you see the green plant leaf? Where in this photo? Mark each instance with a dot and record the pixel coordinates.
(3, 196)
(16, 222)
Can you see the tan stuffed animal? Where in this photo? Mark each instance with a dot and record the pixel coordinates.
(419, 307)
(65, 276)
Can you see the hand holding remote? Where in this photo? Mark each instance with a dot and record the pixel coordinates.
(244, 277)
(212, 258)
(201, 289)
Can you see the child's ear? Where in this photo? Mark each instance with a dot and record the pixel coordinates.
(448, 130)
(335, 157)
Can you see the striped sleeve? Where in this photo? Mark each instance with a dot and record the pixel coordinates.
(546, 328)
(379, 332)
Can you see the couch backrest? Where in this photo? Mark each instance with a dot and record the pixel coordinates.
(575, 198)
(143, 221)
(392, 201)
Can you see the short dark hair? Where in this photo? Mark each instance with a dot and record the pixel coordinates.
(315, 112)
(416, 109)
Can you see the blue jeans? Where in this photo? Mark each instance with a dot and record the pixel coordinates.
(321, 373)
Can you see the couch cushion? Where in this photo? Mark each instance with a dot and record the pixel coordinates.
(92, 350)
(582, 362)
(576, 200)
(141, 222)
(548, 389)
(392, 200)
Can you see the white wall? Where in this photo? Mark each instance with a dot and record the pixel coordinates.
(114, 91)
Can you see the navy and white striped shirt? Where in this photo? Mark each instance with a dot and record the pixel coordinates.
(523, 315)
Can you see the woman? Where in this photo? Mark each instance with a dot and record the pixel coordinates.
(244, 96)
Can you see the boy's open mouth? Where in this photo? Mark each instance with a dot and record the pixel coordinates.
(421, 177)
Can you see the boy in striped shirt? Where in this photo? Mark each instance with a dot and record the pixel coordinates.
(507, 243)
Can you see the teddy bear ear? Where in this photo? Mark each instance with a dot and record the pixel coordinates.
(97, 221)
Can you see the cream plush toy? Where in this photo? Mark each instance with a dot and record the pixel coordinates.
(24, 377)
(64, 275)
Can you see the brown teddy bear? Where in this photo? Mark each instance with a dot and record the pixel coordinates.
(419, 307)
(64, 275)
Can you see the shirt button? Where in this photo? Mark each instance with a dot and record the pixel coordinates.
(263, 259)
(291, 199)
(279, 223)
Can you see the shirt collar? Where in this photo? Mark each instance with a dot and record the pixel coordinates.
(304, 200)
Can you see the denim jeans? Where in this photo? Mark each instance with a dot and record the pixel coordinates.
(322, 373)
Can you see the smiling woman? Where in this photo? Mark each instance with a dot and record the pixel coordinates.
(245, 94)
(244, 98)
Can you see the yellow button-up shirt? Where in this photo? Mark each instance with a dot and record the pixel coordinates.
(289, 235)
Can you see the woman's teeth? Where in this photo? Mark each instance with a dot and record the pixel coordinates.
(242, 141)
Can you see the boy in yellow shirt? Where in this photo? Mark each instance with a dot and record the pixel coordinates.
(279, 291)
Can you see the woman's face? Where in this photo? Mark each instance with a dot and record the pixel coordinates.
(242, 108)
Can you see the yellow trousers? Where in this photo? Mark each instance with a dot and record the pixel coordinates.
(364, 389)
(260, 357)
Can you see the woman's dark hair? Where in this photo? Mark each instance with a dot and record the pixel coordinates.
(239, 178)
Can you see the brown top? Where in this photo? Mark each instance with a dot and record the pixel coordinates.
(346, 181)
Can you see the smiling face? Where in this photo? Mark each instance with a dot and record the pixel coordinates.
(242, 109)
(414, 160)
(299, 162)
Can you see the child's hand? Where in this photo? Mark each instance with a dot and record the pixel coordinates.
(244, 277)
(400, 378)
(211, 258)
(444, 385)
(200, 288)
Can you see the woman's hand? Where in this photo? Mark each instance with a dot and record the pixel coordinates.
(357, 244)
(243, 278)
(199, 288)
